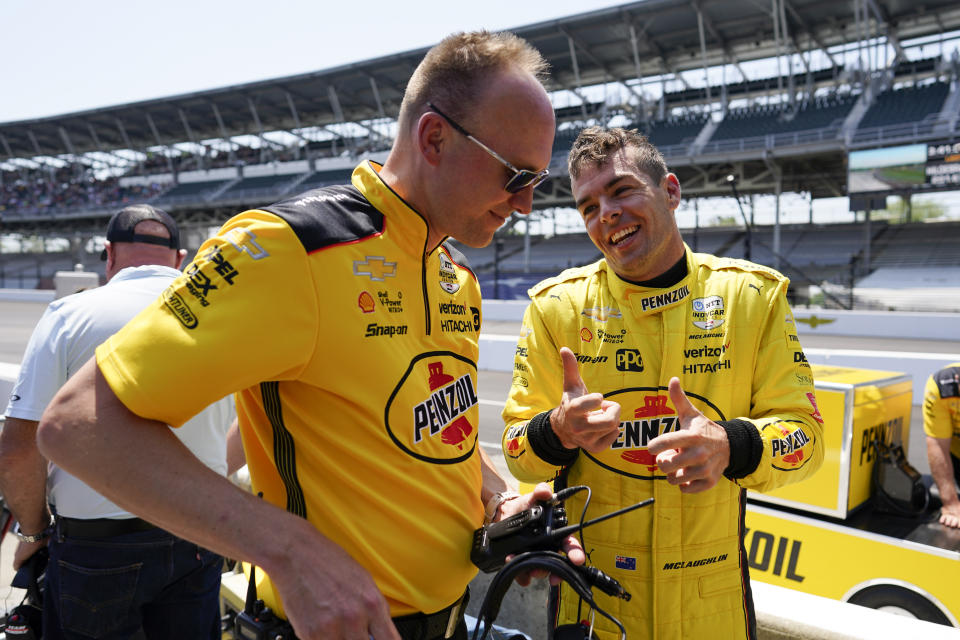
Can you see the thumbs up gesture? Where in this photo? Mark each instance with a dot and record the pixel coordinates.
(583, 419)
(695, 456)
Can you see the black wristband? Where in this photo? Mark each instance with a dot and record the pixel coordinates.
(545, 442)
(746, 448)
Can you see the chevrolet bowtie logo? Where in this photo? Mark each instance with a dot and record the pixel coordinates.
(376, 267)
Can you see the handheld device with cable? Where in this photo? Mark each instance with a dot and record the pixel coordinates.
(534, 538)
(539, 528)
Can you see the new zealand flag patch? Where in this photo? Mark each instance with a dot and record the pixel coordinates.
(626, 562)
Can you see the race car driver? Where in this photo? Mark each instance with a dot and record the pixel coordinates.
(660, 372)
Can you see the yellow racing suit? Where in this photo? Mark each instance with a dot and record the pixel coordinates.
(726, 330)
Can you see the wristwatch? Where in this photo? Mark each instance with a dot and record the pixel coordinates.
(493, 504)
(37, 537)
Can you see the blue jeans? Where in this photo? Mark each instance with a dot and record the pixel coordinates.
(149, 582)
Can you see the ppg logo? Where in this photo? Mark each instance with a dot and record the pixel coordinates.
(629, 360)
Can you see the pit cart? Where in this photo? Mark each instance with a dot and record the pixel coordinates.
(824, 536)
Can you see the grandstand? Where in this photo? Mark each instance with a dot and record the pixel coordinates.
(720, 87)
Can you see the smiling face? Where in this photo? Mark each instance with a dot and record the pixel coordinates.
(629, 216)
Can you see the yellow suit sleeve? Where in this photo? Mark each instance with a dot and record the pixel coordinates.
(537, 387)
(202, 338)
(783, 403)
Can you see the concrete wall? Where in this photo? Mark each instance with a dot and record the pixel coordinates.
(496, 350)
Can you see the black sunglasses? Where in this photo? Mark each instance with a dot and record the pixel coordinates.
(521, 178)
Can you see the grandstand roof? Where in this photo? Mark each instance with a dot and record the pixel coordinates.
(620, 44)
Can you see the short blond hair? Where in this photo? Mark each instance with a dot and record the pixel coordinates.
(596, 145)
(453, 73)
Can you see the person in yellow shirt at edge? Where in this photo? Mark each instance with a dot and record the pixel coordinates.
(659, 372)
(941, 424)
(348, 329)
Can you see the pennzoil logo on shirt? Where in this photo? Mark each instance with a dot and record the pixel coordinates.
(789, 448)
(441, 427)
(664, 299)
(647, 414)
(449, 281)
(514, 433)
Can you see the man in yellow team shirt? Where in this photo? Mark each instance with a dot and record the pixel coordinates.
(941, 423)
(348, 329)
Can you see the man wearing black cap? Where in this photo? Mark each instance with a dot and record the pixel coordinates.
(110, 574)
(159, 229)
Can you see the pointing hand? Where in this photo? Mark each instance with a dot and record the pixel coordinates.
(583, 419)
(695, 456)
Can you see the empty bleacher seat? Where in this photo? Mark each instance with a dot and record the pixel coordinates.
(908, 105)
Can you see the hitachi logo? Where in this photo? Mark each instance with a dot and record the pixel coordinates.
(706, 367)
(663, 299)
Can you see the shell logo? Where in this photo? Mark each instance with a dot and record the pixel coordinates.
(586, 335)
(365, 302)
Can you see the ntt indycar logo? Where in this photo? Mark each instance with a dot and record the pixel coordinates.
(441, 428)
(708, 313)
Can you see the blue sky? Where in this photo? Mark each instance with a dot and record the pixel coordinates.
(65, 56)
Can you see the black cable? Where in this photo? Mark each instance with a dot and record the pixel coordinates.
(566, 493)
(581, 579)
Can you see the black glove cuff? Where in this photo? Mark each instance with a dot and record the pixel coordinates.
(545, 442)
(746, 448)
